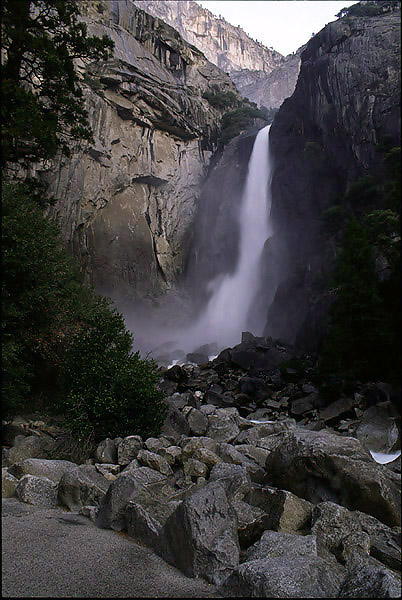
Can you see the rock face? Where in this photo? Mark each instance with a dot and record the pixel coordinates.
(260, 74)
(126, 204)
(228, 47)
(323, 139)
(269, 89)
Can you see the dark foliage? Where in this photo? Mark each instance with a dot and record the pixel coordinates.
(42, 102)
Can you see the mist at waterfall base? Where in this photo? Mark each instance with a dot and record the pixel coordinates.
(229, 310)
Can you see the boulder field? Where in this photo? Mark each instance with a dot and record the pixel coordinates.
(253, 484)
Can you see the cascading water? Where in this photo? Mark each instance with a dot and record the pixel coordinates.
(227, 312)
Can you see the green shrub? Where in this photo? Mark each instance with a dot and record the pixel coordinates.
(334, 218)
(363, 193)
(111, 391)
(235, 121)
(221, 100)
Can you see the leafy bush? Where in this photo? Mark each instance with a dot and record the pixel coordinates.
(369, 9)
(334, 218)
(63, 345)
(111, 391)
(363, 193)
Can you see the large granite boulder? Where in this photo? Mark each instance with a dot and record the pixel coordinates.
(39, 491)
(82, 486)
(321, 466)
(283, 566)
(41, 467)
(201, 535)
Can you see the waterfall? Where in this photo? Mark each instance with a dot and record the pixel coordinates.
(227, 312)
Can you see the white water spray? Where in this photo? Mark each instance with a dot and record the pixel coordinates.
(226, 314)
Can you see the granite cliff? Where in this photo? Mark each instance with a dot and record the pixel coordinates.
(126, 203)
(325, 137)
(228, 47)
(260, 73)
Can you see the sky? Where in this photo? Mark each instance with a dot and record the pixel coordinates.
(283, 24)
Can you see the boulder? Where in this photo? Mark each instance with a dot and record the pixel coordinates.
(175, 424)
(251, 522)
(111, 513)
(207, 457)
(106, 452)
(370, 581)
(155, 444)
(234, 478)
(26, 447)
(230, 454)
(273, 545)
(128, 449)
(286, 576)
(379, 429)
(140, 525)
(197, 421)
(41, 467)
(172, 454)
(321, 466)
(39, 491)
(201, 535)
(287, 512)
(223, 424)
(154, 461)
(194, 468)
(345, 533)
(8, 483)
(81, 486)
(109, 471)
(190, 445)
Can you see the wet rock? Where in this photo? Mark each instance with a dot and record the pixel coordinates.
(273, 544)
(379, 429)
(223, 425)
(197, 421)
(175, 424)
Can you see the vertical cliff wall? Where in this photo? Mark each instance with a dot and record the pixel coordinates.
(228, 47)
(347, 100)
(126, 203)
(260, 73)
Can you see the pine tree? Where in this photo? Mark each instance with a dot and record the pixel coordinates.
(42, 104)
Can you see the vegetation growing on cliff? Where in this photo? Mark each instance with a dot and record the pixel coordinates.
(64, 347)
(365, 324)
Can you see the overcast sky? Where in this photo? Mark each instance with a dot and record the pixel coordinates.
(283, 24)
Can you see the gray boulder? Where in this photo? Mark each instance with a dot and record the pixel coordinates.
(111, 513)
(201, 535)
(41, 467)
(106, 452)
(251, 522)
(39, 491)
(378, 429)
(141, 525)
(81, 486)
(8, 483)
(25, 447)
(321, 466)
(230, 454)
(197, 421)
(128, 449)
(283, 577)
(234, 478)
(273, 544)
(223, 424)
(346, 533)
(154, 461)
(370, 581)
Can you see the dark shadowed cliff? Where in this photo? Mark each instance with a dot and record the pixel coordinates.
(328, 134)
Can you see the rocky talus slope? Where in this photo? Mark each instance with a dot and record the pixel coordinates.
(324, 137)
(254, 484)
(126, 203)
